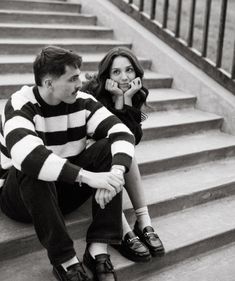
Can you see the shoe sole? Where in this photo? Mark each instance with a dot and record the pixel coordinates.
(158, 253)
(153, 253)
(133, 258)
(85, 262)
(56, 275)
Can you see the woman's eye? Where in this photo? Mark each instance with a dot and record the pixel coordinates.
(130, 69)
(116, 72)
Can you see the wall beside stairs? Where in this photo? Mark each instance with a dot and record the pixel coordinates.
(211, 97)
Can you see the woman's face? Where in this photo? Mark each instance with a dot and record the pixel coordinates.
(122, 72)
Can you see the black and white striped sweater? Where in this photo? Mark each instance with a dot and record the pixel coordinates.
(38, 139)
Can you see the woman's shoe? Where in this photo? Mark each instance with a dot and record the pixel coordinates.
(150, 238)
(132, 248)
(101, 266)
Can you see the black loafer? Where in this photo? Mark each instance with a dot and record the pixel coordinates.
(132, 248)
(74, 272)
(150, 239)
(101, 266)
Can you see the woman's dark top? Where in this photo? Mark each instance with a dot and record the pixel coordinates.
(131, 116)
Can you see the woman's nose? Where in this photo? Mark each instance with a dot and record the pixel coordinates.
(124, 76)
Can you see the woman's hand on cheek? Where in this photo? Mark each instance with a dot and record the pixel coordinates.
(135, 86)
(112, 87)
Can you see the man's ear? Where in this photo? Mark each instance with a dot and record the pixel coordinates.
(48, 83)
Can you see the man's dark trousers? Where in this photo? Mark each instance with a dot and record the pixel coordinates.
(44, 203)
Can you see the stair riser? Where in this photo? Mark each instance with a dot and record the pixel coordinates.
(77, 229)
(170, 105)
(175, 256)
(157, 83)
(26, 49)
(181, 202)
(182, 129)
(186, 160)
(30, 243)
(40, 18)
(26, 67)
(43, 33)
(37, 6)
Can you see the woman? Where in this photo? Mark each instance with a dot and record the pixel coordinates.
(118, 86)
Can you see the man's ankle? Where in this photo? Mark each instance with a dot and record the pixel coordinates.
(97, 248)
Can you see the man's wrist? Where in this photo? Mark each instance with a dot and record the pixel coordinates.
(119, 169)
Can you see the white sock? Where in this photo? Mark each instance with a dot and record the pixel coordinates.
(125, 225)
(69, 263)
(98, 248)
(143, 217)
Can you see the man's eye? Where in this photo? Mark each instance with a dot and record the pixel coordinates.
(75, 78)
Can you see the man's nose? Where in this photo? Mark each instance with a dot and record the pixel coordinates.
(78, 84)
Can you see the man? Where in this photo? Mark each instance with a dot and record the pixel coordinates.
(48, 171)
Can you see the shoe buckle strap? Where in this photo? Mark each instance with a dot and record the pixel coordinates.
(129, 240)
(148, 234)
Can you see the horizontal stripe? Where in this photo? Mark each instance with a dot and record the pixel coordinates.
(17, 122)
(2, 140)
(6, 162)
(122, 159)
(69, 149)
(119, 127)
(59, 123)
(1, 182)
(60, 138)
(104, 126)
(22, 97)
(122, 147)
(51, 168)
(23, 148)
(100, 114)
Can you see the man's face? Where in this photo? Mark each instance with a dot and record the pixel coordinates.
(64, 89)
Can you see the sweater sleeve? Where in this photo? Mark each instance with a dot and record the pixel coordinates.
(27, 152)
(131, 117)
(103, 124)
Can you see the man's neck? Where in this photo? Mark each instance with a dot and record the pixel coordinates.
(46, 96)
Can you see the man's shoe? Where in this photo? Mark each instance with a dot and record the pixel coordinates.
(150, 239)
(132, 248)
(101, 266)
(74, 272)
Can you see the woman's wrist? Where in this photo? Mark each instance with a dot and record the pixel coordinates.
(128, 100)
(118, 102)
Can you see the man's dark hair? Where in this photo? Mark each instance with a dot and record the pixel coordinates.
(53, 60)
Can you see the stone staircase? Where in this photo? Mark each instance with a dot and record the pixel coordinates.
(187, 162)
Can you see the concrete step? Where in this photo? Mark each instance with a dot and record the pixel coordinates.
(23, 63)
(171, 123)
(214, 265)
(166, 192)
(185, 187)
(35, 5)
(51, 31)
(14, 16)
(10, 83)
(211, 226)
(168, 99)
(33, 46)
(170, 153)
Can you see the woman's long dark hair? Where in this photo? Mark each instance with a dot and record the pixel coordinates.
(96, 83)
